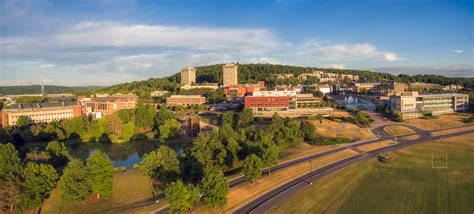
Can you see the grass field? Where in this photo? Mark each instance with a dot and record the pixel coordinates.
(443, 121)
(330, 128)
(408, 184)
(131, 193)
(398, 130)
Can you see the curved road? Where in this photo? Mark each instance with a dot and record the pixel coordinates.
(376, 130)
(271, 199)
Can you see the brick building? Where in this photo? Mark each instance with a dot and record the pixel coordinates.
(185, 100)
(40, 112)
(109, 104)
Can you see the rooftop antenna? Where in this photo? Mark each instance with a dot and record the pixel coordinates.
(43, 91)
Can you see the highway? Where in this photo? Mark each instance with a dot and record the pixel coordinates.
(379, 131)
(271, 199)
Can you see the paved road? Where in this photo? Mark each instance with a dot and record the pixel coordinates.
(270, 200)
(376, 130)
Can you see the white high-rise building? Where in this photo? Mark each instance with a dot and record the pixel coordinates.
(188, 76)
(230, 77)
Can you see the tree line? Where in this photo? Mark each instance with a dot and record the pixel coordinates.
(27, 184)
(142, 122)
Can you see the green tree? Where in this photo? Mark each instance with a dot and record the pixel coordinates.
(124, 115)
(39, 180)
(245, 118)
(73, 127)
(227, 118)
(162, 165)
(252, 168)
(209, 150)
(22, 122)
(100, 172)
(10, 176)
(181, 198)
(397, 116)
(308, 129)
(58, 152)
(162, 115)
(128, 130)
(270, 155)
(169, 129)
(76, 183)
(214, 187)
(144, 117)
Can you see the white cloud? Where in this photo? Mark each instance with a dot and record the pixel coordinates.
(336, 66)
(316, 50)
(48, 66)
(457, 51)
(117, 35)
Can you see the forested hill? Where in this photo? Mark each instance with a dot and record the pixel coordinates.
(256, 72)
(36, 89)
(251, 73)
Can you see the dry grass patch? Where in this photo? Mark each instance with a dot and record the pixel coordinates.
(443, 132)
(330, 128)
(398, 130)
(443, 121)
(302, 150)
(378, 145)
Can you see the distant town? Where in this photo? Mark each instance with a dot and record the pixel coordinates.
(333, 91)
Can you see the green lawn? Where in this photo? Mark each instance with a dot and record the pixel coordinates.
(407, 185)
(132, 193)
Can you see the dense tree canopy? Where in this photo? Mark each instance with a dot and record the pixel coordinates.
(76, 183)
(214, 187)
(38, 182)
(100, 172)
(253, 166)
(181, 197)
(162, 165)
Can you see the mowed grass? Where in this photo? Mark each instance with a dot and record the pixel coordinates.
(398, 130)
(131, 193)
(443, 121)
(330, 128)
(408, 184)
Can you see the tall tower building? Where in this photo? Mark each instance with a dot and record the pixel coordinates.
(230, 75)
(188, 76)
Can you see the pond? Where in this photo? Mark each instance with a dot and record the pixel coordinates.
(122, 155)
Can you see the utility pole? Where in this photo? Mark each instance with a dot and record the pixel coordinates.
(43, 91)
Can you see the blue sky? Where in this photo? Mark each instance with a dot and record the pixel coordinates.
(107, 41)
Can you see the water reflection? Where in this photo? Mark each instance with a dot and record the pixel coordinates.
(122, 155)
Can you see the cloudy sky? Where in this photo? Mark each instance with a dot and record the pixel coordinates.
(105, 42)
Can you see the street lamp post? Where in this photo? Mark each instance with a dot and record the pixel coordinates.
(310, 166)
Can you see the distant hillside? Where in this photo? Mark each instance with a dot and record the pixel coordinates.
(251, 73)
(36, 89)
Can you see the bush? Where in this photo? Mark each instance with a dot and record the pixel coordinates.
(320, 140)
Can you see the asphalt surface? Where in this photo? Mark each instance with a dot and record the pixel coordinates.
(270, 200)
(379, 131)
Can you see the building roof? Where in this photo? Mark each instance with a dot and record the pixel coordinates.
(42, 105)
(185, 96)
(443, 95)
